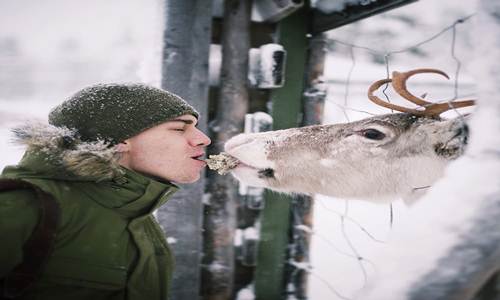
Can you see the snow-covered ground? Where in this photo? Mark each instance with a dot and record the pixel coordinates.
(50, 49)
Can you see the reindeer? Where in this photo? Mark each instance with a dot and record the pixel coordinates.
(381, 158)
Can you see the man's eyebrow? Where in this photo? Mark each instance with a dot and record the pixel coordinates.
(183, 121)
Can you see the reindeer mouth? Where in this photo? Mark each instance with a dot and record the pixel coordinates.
(262, 172)
(253, 163)
(244, 165)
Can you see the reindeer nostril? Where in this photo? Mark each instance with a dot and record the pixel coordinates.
(463, 131)
(266, 173)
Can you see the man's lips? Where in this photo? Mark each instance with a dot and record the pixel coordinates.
(198, 156)
(199, 160)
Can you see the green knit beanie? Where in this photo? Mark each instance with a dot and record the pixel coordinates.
(116, 112)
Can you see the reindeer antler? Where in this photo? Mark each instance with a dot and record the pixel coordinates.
(399, 84)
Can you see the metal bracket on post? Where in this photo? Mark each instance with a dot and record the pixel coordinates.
(254, 197)
(247, 242)
(266, 66)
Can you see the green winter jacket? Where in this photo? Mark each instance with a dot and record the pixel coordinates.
(108, 244)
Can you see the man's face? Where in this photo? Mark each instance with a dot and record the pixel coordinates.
(172, 150)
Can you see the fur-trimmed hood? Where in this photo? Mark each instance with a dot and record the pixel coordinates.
(57, 152)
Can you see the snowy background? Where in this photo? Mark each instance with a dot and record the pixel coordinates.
(52, 48)
(395, 30)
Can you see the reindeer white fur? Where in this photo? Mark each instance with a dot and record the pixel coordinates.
(379, 159)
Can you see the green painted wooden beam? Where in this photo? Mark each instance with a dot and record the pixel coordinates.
(287, 101)
(286, 112)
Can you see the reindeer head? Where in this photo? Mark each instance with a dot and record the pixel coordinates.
(378, 158)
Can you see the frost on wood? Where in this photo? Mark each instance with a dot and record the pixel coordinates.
(171, 240)
(258, 122)
(246, 293)
(305, 228)
(248, 245)
(330, 6)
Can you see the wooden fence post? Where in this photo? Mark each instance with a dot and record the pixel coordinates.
(185, 72)
(232, 105)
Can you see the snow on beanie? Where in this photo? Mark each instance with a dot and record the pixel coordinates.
(115, 112)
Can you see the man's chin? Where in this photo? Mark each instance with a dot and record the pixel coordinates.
(187, 180)
(175, 180)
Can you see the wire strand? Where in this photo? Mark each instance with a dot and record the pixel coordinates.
(387, 55)
(425, 41)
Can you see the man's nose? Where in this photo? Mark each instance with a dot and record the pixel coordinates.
(201, 139)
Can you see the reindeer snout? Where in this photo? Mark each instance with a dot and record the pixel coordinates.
(454, 145)
(266, 173)
(250, 149)
(235, 141)
(462, 132)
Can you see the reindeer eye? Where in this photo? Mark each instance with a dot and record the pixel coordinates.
(372, 134)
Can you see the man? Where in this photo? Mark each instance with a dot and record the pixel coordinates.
(109, 158)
